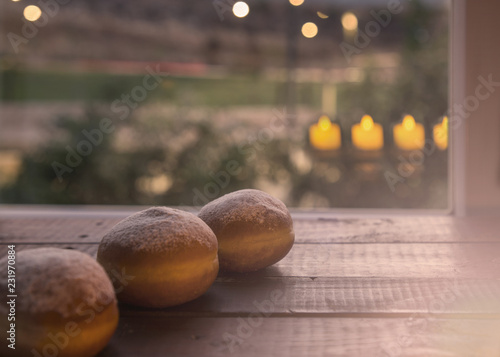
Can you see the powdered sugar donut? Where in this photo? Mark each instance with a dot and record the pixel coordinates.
(254, 229)
(169, 255)
(65, 304)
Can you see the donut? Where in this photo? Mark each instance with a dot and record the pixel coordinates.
(253, 228)
(64, 304)
(170, 256)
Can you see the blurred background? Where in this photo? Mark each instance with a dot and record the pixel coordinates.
(323, 104)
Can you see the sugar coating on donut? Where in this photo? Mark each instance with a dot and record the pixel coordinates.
(52, 279)
(145, 232)
(246, 206)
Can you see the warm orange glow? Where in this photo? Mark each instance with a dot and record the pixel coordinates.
(367, 122)
(367, 135)
(325, 135)
(408, 122)
(349, 21)
(240, 9)
(32, 13)
(309, 30)
(409, 135)
(322, 15)
(296, 2)
(440, 134)
(324, 123)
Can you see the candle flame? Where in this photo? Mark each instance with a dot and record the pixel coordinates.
(408, 122)
(440, 133)
(444, 123)
(367, 122)
(324, 123)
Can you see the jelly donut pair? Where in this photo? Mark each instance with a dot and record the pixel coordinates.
(174, 256)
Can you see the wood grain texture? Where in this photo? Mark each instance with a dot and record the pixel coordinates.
(339, 297)
(81, 228)
(256, 335)
(90, 249)
(443, 260)
(340, 285)
(397, 286)
(55, 230)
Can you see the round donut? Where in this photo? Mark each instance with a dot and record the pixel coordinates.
(169, 255)
(253, 228)
(65, 305)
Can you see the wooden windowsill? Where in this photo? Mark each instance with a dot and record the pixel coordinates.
(352, 285)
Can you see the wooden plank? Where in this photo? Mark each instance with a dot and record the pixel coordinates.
(90, 249)
(399, 286)
(338, 297)
(82, 228)
(55, 230)
(440, 260)
(378, 260)
(352, 293)
(376, 230)
(408, 229)
(257, 335)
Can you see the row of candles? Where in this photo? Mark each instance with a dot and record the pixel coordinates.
(368, 135)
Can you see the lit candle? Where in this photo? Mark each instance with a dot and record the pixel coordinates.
(324, 135)
(367, 135)
(440, 134)
(409, 135)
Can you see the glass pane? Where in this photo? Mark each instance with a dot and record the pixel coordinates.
(336, 104)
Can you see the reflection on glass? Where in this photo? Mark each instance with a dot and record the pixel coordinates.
(179, 102)
(440, 134)
(367, 135)
(349, 21)
(241, 9)
(296, 2)
(409, 135)
(32, 13)
(309, 29)
(325, 135)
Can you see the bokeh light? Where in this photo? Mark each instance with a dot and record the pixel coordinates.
(241, 9)
(349, 21)
(296, 2)
(322, 15)
(32, 12)
(309, 29)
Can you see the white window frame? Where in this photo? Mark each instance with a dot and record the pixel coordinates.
(456, 159)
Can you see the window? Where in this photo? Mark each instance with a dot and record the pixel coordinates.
(322, 104)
